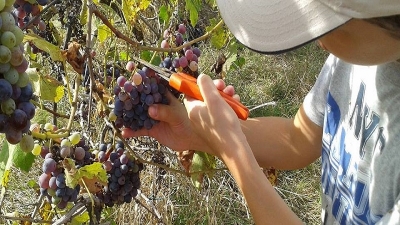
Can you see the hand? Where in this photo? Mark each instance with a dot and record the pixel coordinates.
(174, 129)
(213, 120)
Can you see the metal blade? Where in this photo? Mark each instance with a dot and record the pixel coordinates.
(162, 72)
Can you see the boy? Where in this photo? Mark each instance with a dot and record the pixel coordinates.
(352, 110)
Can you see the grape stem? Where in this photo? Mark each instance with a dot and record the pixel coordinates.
(41, 106)
(137, 46)
(48, 6)
(48, 135)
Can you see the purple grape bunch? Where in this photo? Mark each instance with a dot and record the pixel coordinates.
(184, 61)
(123, 175)
(133, 98)
(16, 90)
(52, 181)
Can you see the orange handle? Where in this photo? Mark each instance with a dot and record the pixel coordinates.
(187, 84)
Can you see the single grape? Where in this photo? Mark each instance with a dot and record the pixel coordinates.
(79, 153)
(165, 44)
(8, 106)
(5, 54)
(183, 62)
(74, 138)
(65, 151)
(130, 66)
(189, 54)
(44, 180)
(5, 90)
(26, 144)
(49, 166)
(193, 66)
(121, 81)
(11, 76)
(182, 28)
(8, 39)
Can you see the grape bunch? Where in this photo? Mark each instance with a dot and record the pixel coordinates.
(16, 91)
(52, 181)
(27, 10)
(123, 175)
(133, 98)
(187, 59)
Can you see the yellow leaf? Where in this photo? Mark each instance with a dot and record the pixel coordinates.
(42, 44)
(46, 87)
(103, 32)
(4, 181)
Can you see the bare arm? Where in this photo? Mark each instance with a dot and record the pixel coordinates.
(284, 143)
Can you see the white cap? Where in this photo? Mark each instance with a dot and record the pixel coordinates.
(274, 26)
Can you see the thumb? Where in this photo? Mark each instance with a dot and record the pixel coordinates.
(168, 113)
(208, 90)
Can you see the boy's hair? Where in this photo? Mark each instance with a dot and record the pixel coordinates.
(390, 23)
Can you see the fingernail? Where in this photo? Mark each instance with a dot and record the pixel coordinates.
(153, 111)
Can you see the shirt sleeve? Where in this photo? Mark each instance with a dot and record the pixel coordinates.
(392, 217)
(315, 101)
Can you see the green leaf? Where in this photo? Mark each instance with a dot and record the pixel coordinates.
(156, 60)
(146, 55)
(80, 219)
(53, 50)
(219, 37)
(73, 176)
(193, 6)
(84, 14)
(5, 161)
(22, 160)
(124, 56)
(202, 164)
(163, 14)
(33, 184)
(46, 87)
(104, 32)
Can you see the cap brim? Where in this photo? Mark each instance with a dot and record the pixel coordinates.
(275, 26)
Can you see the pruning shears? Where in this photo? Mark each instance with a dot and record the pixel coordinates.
(187, 84)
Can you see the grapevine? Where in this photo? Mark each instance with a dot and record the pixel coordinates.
(48, 57)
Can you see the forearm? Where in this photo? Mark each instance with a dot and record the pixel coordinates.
(266, 207)
(283, 143)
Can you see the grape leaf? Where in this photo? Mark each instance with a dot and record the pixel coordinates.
(145, 55)
(53, 50)
(163, 14)
(22, 160)
(80, 219)
(103, 32)
(46, 87)
(5, 161)
(193, 6)
(92, 173)
(219, 37)
(202, 164)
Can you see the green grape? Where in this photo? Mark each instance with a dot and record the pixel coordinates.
(74, 138)
(11, 76)
(112, 117)
(5, 54)
(9, 2)
(37, 149)
(18, 33)
(8, 20)
(27, 143)
(48, 127)
(23, 80)
(65, 142)
(17, 56)
(8, 39)
(8, 106)
(2, 4)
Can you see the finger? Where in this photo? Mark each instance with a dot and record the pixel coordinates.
(128, 132)
(230, 90)
(220, 84)
(237, 97)
(210, 94)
